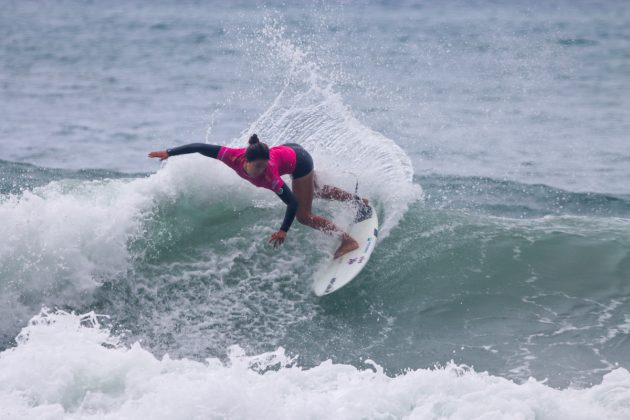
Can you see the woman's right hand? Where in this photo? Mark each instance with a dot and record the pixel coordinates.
(162, 154)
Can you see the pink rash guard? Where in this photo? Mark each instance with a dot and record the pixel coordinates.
(281, 162)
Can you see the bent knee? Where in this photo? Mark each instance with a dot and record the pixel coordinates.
(317, 191)
(303, 218)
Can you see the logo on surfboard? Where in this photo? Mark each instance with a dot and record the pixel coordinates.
(358, 260)
(330, 285)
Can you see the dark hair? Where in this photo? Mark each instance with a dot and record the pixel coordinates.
(256, 150)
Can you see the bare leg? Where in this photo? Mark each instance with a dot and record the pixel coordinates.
(303, 188)
(329, 192)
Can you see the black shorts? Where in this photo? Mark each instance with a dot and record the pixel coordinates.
(303, 161)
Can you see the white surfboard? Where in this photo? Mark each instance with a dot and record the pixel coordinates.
(340, 271)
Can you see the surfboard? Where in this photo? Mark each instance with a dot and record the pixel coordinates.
(338, 272)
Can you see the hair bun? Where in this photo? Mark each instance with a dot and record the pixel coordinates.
(256, 150)
(254, 139)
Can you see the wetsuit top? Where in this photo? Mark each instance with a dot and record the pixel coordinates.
(282, 161)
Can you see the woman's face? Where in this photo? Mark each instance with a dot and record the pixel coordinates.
(255, 168)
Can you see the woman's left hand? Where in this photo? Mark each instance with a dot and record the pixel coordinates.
(278, 238)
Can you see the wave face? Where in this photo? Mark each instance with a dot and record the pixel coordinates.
(494, 274)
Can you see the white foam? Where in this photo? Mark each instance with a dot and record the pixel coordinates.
(66, 366)
(60, 240)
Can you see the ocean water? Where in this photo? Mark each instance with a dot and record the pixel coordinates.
(493, 139)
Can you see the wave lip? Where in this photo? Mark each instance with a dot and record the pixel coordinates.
(67, 365)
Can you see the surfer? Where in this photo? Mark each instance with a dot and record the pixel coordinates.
(263, 166)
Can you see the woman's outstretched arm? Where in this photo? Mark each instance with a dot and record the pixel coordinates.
(210, 150)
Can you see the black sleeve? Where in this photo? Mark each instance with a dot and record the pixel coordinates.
(210, 150)
(289, 199)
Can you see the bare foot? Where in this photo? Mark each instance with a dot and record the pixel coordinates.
(348, 244)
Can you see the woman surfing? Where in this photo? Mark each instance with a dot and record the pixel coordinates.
(263, 166)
